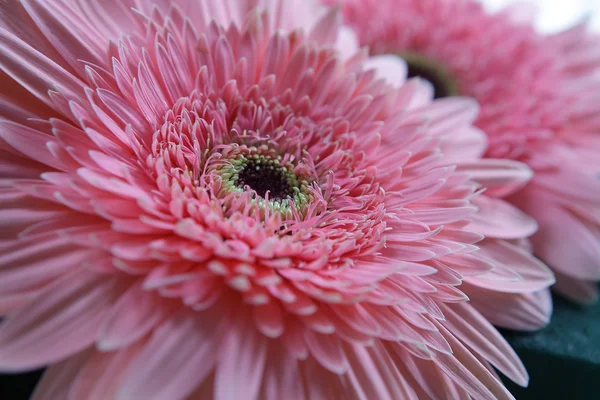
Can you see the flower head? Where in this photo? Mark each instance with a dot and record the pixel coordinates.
(208, 199)
(539, 105)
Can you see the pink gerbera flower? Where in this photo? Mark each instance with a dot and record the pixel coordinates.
(539, 99)
(211, 200)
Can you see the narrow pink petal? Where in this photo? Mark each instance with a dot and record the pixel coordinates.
(423, 375)
(180, 354)
(373, 374)
(319, 382)
(131, 317)
(577, 257)
(471, 328)
(282, 378)
(389, 67)
(326, 29)
(269, 319)
(242, 362)
(34, 71)
(497, 218)
(67, 32)
(62, 321)
(532, 275)
(11, 303)
(585, 292)
(17, 104)
(42, 267)
(526, 311)
(468, 372)
(499, 177)
(101, 375)
(57, 379)
(327, 350)
(29, 142)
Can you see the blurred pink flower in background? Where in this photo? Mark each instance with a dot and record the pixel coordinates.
(207, 200)
(539, 98)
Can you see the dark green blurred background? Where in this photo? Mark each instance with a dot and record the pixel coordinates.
(563, 360)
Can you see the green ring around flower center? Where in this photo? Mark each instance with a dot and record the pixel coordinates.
(263, 171)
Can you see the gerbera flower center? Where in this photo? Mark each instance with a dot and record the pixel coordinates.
(263, 173)
(278, 181)
(436, 73)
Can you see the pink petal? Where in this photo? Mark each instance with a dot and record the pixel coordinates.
(30, 142)
(57, 379)
(449, 113)
(326, 29)
(282, 377)
(526, 311)
(565, 242)
(269, 319)
(62, 321)
(49, 262)
(477, 333)
(531, 274)
(242, 358)
(463, 145)
(499, 177)
(373, 374)
(347, 42)
(130, 318)
(463, 368)
(498, 219)
(180, 354)
(35, 71)
(101, 374)
(389, 67)
(67, 32)
(573, 184)
(327, 350)
(584, 292)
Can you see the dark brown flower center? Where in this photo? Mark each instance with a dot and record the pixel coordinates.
(437, 74)
(265, 174)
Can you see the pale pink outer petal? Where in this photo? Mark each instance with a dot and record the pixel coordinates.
(240, 368)
(388, 67)
(57, 379)
(63, 321)
(579, 256)
(101, 374)
(581, 291)
(524, 273)
(524, 311)
(477, 333)
(374, 375)
(468, 372)
(135, 314)
(35, 71)
(499, 219)
(281, 378)
(179, 355)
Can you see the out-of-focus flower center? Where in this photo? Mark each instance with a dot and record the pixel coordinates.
(436, 73)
